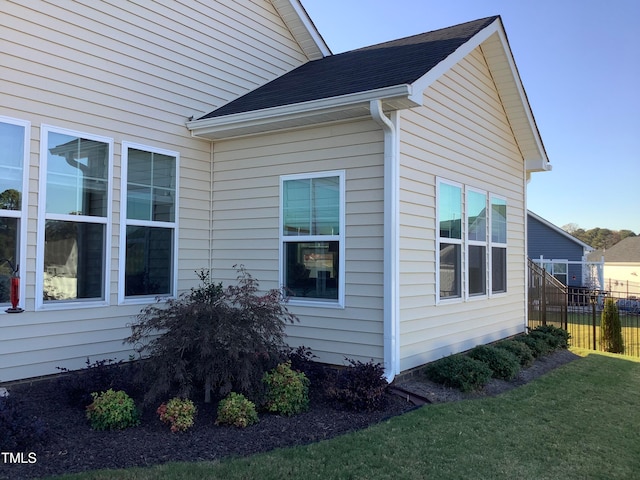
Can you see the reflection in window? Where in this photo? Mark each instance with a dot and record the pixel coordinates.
(12, 159)
(450, 240)
(312, 216)
(498, 245)
(76, 209)
(73, 260)
(151, 185)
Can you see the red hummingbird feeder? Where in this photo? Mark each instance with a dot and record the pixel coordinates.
(14, 292)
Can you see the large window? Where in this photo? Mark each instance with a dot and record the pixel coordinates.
(312, 236)
(450, 240)
(498, 245)
(148, 238)
(482, 237)
(75, 190)
(14, 143)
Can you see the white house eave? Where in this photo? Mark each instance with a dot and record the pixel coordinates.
(302, 28)
(300, 114)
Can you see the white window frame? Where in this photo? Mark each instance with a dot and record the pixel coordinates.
(340, 238)
(453, 241)
(124, 222)
(43, 216)
(21, 214)
(480, 243)
(502, 245)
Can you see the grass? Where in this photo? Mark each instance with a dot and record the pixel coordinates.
(580, 421)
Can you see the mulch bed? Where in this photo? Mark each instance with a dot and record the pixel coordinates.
(72, 446)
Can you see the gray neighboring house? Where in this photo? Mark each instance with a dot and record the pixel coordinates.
(560, 253)
(621, 266)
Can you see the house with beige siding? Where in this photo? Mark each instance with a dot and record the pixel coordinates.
(383, 189)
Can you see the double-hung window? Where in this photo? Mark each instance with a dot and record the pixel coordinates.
(148, 236)
(311, 232)
(75, 208)
(498, 245)
(476, 203)
(14, 148)
(450, 240)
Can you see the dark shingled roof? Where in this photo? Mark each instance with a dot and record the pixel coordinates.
(398, 62)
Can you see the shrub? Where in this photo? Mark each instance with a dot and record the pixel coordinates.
(519, 349)
(503, 364)
(19, 430)
(301, 359)
(459, 371)
(359, 386)
(99, 376)
(112, 410)
(562, 335)
(538, 346)
(611, 328)
(177, 412)
(236, 410)
(212, 337)
(287, 390)
(553, 342)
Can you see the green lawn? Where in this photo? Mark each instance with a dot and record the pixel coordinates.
(581, 421)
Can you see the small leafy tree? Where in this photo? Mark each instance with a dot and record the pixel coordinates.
(610, 328)
(211, 337)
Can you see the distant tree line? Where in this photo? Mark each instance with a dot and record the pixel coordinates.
(598, 238)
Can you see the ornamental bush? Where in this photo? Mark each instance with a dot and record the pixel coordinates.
(179, 413)
(359, 386)
(213, 338)
(236, 410)
(503, 364)
(287, 391)
(538, 346)
(112, 410)
(611, 328)
(519, 349)
(561, 334)
(459, 371)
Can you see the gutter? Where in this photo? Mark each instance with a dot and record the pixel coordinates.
(391, 268)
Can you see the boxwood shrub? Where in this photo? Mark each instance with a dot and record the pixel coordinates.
(503, 364)
(520, 349)
(561, 336)
(538, 346)
(459, 371)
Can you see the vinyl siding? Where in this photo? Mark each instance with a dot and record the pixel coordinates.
(460, 134)
(131, 71)
(246, 226)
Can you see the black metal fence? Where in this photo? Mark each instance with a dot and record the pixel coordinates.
(579, 310)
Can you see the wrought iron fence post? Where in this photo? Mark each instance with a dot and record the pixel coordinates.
(593, 297)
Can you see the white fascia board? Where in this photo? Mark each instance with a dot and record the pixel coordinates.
(302, 28)
(269, 118)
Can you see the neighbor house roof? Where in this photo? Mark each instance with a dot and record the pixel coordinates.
(396, 73)
(548, 224)
(625, 251)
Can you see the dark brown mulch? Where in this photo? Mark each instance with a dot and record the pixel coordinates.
(73, 447)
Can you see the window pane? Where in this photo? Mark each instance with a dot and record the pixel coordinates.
(77, 176)
(73, 260)
(477, 216)
(297, 207)
(498, 269)
(8, 250)
(326, 206)
(311, 269)
(450, 211)
(11, 161)
(450, 261)
(151, 181)
(477, 270)
(149, 261)
(498, 220)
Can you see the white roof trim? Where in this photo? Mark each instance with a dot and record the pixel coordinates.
(302, 28)
(300, 114)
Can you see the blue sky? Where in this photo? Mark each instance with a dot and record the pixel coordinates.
(580, 66)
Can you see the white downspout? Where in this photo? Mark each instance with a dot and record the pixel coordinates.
(391, 252)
